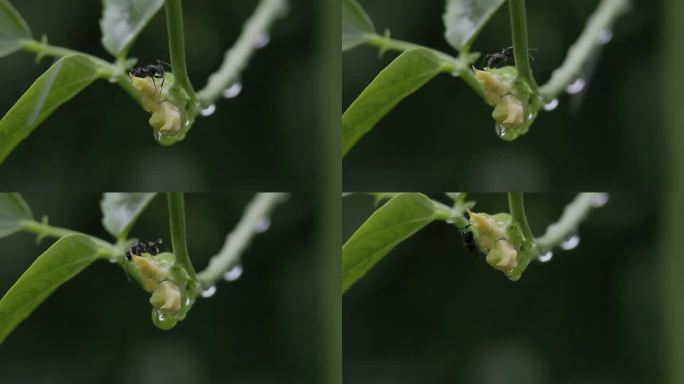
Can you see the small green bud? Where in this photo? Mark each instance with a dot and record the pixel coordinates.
(502, 242)
(169, 106)
(172, 290)
(512, 99)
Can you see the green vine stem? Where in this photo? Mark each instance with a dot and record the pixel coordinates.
(573, 214)
(237, 241)
(174, 25)
(106, 70)
(520, 46)
(600, 21)
(178, 240)
(458, 66)
(45, 230)
(236, 57)
(516, 206)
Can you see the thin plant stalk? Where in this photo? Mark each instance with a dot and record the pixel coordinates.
(174, 25)
(520, 47)
(176, 205)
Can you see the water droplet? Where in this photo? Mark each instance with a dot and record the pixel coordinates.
(163, 321)
(209, 292)
(545, 257)
(262, 225)
(262, 40)
(551, 105)
(233, 91)
(208, 111)
(604, 36)
(570, 243)
(576, 86)
(599, 200)
(233, 273)
(161, 316)
(500, 130)
(450, 220)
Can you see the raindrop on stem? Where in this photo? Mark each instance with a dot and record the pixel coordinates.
(576, 86)
(209, 292)
(208, 111)
(604, 36)
(551, 105)
(545, 257)
(233, 91)
(570, 243)
(262, 40)
(599, 200)
(233, 273)
(262, 225)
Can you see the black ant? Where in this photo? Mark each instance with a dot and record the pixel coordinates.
(469, 237)
(504, 57)
(155, 71)
(151, 247)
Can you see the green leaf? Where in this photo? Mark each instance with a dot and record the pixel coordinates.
(62, 261)
(392, 223)
(13, 29)
(405, 75)
(123, 20)
(13, 210)
(465, 18)
(121, 210)
(355, 24)
(64, 80)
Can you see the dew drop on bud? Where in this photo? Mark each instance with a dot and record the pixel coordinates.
(599, 200)
(209, 292)
(232, 91)
(546, 256)
(233, 273)
(604, 36)
(570, 243)
(500, 130)
(262, 40)
(576, 86)
(551, 105)
(262, 225)
(208, 111)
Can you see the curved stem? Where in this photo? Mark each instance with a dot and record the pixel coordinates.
(520, 47)
(238, 240)
(107, 70)
(178, 239)
(174, 25)
(458, 66)
(516, 205)
(45, 230)
(573, 214)
(238, 55)
(600, 22)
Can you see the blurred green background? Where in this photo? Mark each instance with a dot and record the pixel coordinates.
(265, 139)
(431, 312)
(442, 136)
(263, 328)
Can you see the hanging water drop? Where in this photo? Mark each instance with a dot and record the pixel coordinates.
(262, 40)
(545, 257)
(570, 243)
(233, 273)
(500, 130)
(599, 200)
(551, 105)
(208, 111)
(604, 36)
(262, 225)
(209, 292)
(163, 321)
(233, 91)
(576, 86)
